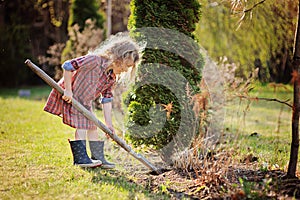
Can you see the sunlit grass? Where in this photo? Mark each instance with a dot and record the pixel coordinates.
(36, 93)
(36, 160)
(261, 127)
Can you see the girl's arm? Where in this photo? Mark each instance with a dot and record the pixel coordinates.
(68, 94)
(107, 107)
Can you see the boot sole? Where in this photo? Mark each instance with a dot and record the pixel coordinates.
(91, 165)
(103, 166)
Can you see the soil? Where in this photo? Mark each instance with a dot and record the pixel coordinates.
(236, 183)
(216, 179)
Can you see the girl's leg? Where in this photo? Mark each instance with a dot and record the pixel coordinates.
(92, 135)
(80, 134)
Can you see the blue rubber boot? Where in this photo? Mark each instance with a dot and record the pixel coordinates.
(80, 155)
(97, 154)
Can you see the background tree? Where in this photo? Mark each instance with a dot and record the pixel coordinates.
(80, 11)
(120, 14)
(83, 41)
(86, 38)
(262, 39)
(292, 168)
(27, 29)
(294, 7)
(35, 29)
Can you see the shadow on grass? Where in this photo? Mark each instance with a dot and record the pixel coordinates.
(120, 181)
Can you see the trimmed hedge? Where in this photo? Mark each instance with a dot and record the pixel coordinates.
(170, 62)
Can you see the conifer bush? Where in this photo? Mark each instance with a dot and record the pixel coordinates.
(159, 104)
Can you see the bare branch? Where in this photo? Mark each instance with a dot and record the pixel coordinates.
(265, 99)
(241, 9)
(238, 8)
(250, 9)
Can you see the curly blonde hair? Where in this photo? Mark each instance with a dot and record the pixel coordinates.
(118, 48)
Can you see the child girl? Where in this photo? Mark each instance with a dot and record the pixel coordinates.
(86, 78)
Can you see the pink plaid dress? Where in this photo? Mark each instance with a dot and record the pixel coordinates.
(89, 81)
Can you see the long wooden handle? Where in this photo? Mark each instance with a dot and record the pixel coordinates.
(91, 116)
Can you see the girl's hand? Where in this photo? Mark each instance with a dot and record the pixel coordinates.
(110, 127)
(107, 116)
(68, 95)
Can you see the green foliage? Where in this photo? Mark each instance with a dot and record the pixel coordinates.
(81, 11)
(149, 121)
(265, 35)
(15, 48)
(13, 57)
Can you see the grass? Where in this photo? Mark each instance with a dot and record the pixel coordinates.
(262, 128)
(36, 93)
(36, 160)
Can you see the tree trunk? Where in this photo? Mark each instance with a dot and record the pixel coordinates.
(296, 107)
(108, 12)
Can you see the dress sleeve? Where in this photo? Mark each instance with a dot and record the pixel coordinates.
(68, 66)
(87, 61)
(107, 95)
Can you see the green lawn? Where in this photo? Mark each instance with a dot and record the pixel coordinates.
(269, 119)
(36, 160)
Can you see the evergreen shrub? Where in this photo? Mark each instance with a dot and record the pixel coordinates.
(159, 104)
